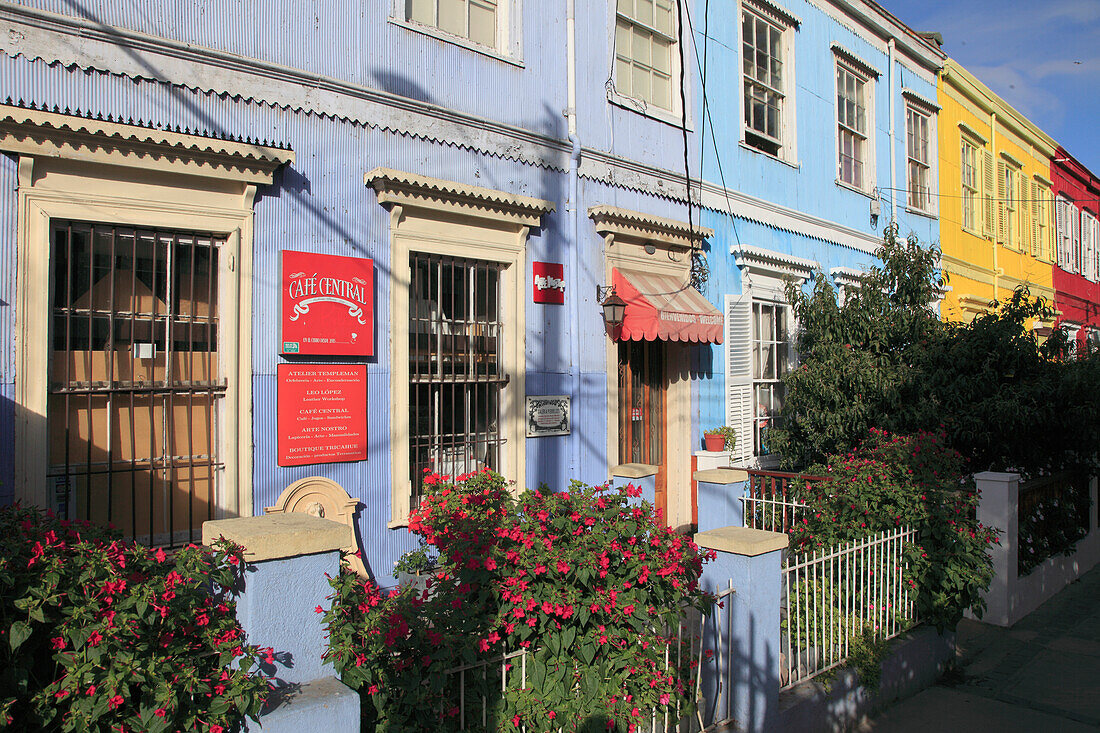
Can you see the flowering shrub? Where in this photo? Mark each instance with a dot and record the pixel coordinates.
(914, 480)
(101, 634)
(587, 585)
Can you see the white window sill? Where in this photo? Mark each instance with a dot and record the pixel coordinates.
(647, 110)
(466, 43)
(921, 212)
(633, 470)
(854, 189)
(769, 156)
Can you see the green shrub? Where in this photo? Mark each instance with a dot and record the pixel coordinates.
(590, 582)
(101, 634)
(890, 481)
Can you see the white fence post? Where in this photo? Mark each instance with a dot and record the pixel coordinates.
(999, 506)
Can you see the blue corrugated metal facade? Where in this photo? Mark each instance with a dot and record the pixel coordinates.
(363, 92)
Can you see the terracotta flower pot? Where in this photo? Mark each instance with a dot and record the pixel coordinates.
(714, 442)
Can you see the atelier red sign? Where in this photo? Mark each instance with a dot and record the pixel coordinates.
(327, 305)
(549, 283)
(322, 413)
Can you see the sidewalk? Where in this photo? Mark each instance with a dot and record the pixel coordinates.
(1041, 675)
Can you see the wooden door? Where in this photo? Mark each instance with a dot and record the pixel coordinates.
(642, 389)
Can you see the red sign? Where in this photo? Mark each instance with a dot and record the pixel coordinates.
(322, 413)
(328, 305)
(549, 283)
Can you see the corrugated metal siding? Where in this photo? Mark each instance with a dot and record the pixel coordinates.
(9, 182)
(321, 204)
(354, 41)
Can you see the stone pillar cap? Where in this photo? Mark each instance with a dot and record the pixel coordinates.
(742, 540)
(278, 536)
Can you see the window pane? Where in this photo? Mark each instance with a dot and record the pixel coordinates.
(644, 12)
(421, 11)
(452, 16)
(483, 23)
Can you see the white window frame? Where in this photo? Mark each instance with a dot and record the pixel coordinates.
(971, 193)
(865, 161)
(618, 93)
(786, 142)
(913, 107)
(441, 217)
(508, 46)
(764, 277)
(1089, 245)
(89, 170)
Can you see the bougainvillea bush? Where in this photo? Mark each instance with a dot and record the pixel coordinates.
(889, 481)
(100, 634)
(582, 590)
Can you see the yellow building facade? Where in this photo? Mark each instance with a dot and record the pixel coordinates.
(996, 207)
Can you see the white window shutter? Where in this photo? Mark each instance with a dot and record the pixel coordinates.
(987, 193)
(1060, 232)
(1036, 209)
(1025, 213)
(1002, 209)
(1075, 238)
(739, 374)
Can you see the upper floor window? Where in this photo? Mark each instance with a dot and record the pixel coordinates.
(1069, 234)
(766, 79)
(645, 42)
(477, 21)
(971, 184)
(918, 126)
(852, 125)
(1008, 230)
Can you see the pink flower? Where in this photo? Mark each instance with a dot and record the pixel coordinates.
(516, 720)
(95, 638)
(551, 715)
(115, 701)
(57, 642)
(160, 556)
(318, 610)
(372, 690)
(216, 728)
(159, 712)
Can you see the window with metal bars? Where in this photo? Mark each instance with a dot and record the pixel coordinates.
(134, 384)
(456, 366)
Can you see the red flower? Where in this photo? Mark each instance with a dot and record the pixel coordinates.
(57, 642)
(159, 712)
(318, 610)
(115, 701)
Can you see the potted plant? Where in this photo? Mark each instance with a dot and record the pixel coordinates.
(721, 438)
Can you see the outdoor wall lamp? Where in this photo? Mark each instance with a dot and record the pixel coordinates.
(614, 307)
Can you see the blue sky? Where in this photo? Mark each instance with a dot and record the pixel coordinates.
(1041, 57)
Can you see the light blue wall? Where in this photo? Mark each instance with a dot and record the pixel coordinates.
(810, 186)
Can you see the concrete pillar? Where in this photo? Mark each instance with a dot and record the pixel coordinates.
(741, 681)
(999, 506)
(289, 556)
(642, 475)
(719, 492)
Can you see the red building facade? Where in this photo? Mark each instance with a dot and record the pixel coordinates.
(1076, 193)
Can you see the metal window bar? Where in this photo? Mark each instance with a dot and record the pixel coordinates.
(110, 284)
(456, 372)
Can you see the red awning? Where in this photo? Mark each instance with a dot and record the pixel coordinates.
(663, 307)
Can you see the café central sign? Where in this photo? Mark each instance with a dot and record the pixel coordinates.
(327, 305)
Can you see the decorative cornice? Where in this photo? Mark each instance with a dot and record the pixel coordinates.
(409, 189)
(855, 61)
(624, 223)
(847, 277)
(775, 12)
(920, 99)
(37, 132)
(768, 263)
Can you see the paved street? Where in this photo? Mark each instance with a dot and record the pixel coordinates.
(1043, 674)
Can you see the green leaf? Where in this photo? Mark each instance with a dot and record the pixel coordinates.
(18, 633)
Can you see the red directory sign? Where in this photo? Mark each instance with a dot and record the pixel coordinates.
(327, 305)
(322, 413)
(549, 283)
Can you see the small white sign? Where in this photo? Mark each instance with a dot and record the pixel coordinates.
(548, 415)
